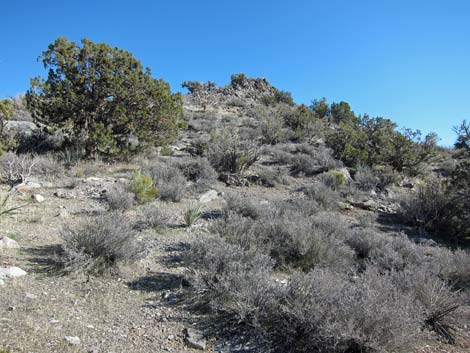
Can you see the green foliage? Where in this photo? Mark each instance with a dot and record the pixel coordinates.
(103, 98)
(278, 97)
(375, 141)
(192, 214)
(192, 86)
(166, 151)
(143, 188)
(6, 112)
(237, 80)
(338, 179)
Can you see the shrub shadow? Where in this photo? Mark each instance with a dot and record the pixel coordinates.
(46, 259)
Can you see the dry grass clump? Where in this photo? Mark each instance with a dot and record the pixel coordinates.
(119, 199)
(97, 244)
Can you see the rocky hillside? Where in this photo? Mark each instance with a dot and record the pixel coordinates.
(249, 233)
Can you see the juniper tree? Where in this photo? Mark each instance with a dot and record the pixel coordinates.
(103, 98)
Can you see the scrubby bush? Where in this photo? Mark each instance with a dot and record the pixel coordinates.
(271, 128)
(151, 216)
(242, 206)
(199, 171)
(119, 199)
(323, 195)
(98, 108)
(427, 208)
(17, 168)
(228, 153)
(168, 179)
(365, 179)
(97, 244)
(48, 166)
(334, 179)
(143, 188)
(322, 311)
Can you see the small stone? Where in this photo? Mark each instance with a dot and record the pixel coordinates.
(11, 272)
(208, 196)
(53, 322)
(8, 243)
(73, 340)
(171, 337)
(195, 339)
(38, 198)
(2, 282)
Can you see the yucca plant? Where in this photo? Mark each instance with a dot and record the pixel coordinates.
(192, 214)
(4, 207)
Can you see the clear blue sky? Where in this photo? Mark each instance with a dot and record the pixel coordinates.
(404, 60)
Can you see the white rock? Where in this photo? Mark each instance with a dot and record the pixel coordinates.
(74, 340)
(1, 282)
(38, 198)
(11, 272)
(195, 339)
(27, 186)
(8, 243)
(209, 196)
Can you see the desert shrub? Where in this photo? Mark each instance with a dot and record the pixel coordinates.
(48, 166)
(427, 208)
(322, 194)
(327, 312)
(71, 156)
(242, 206)
(192, 214)
(303, 122)
(387, 176)
(289, 237)
(199, 171)
(321, 311)
(103, 125)
(97, 244)
(303, 158)
(143, 188)
(333, 179)
(17, 168)
(119, 199)
(168, 179)
(229, 278)
(365, 179)
(228, 153)
(438, 300)
(453, 266)
(304, 243)
(272, 128)
(385, 252)
(272, 176)
(151, 216)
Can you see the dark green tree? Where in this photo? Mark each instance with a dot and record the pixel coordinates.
(103, 97)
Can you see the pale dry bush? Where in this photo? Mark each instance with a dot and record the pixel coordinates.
(97, 244)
